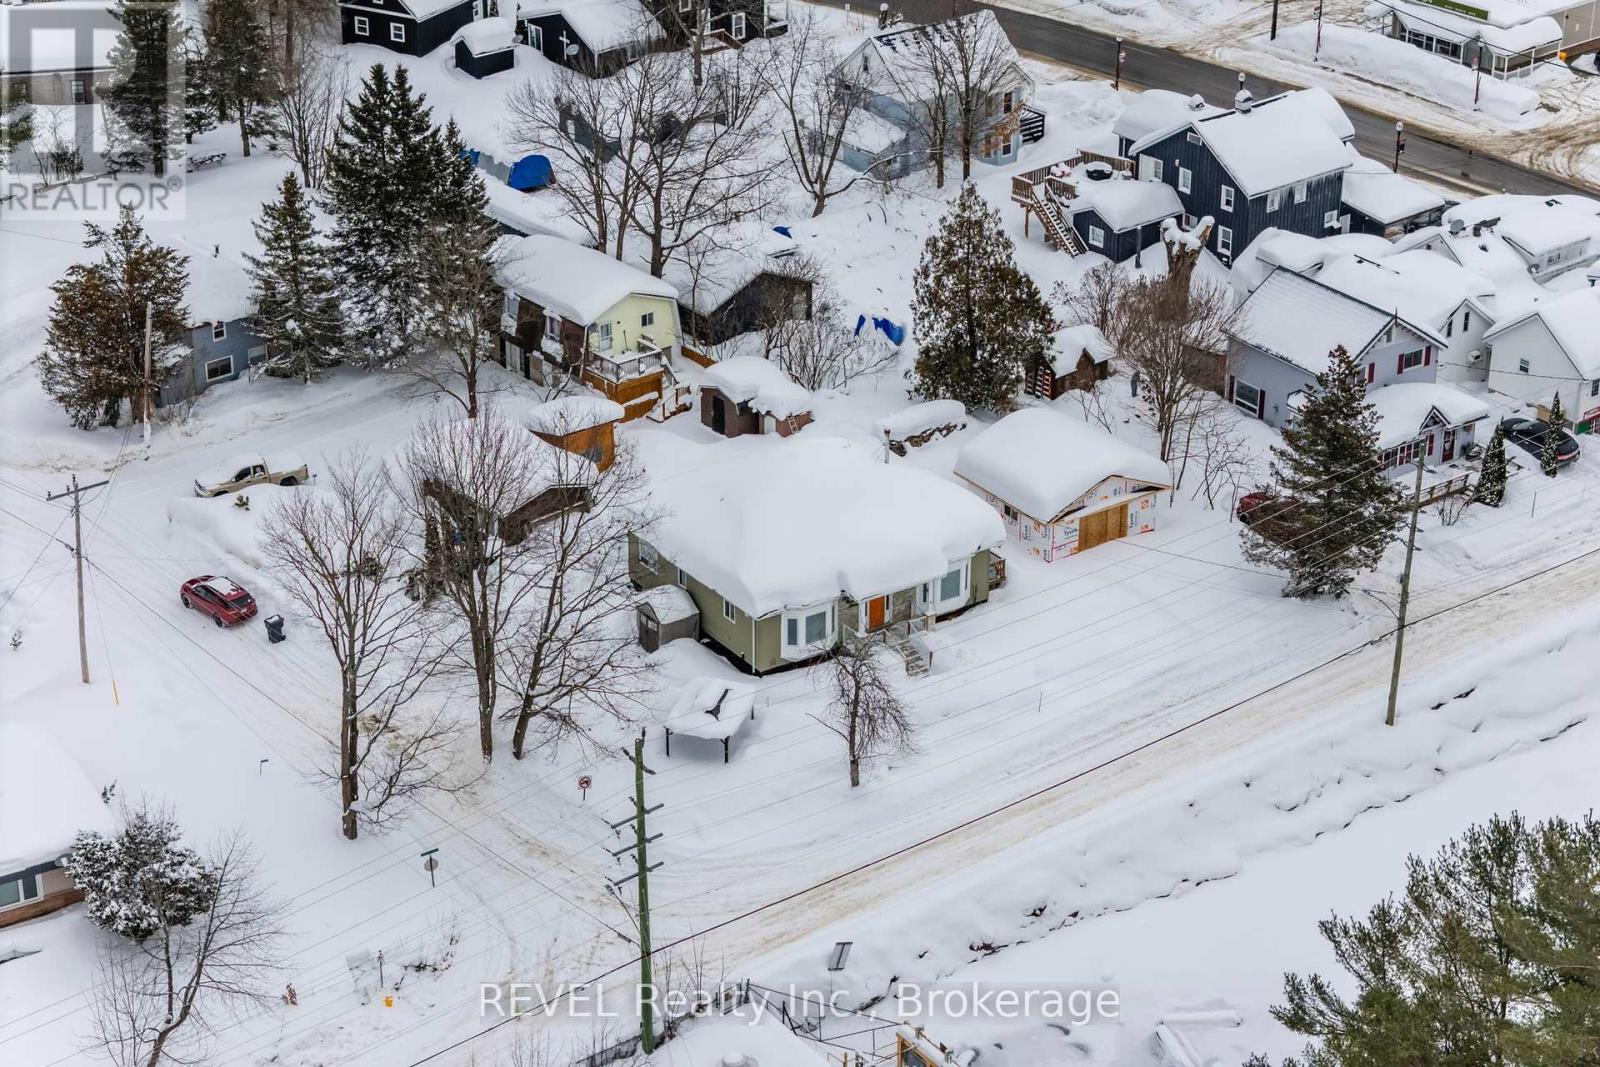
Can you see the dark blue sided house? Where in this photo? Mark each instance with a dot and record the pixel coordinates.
(414, 27)
(1277, 163)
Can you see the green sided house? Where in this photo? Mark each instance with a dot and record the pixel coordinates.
(789, 541)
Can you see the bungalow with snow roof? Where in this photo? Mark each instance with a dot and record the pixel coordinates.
(748, 394)
(222, 346)
(1119, 217)
(576, 311)
(1521, 242)
(724, 23)
(889, 69)
(411, 27)
(45, 800)
(1552, 348)
(1079, 357)
(1499, 37)
(788, 543)
(1280, 339)
(1278, 162)
(596, 37)
(1062, 486)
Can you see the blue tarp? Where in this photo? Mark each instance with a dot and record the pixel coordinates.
(529, 173)
(470, 153)
(890, 329)
(783, 230)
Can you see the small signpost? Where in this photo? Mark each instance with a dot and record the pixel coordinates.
(584, 782)
(430, 863)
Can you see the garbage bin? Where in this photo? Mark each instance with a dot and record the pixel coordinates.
(274, 628)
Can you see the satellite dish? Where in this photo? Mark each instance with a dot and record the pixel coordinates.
(571, 50)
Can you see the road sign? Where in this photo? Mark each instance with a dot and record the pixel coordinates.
(584, 782)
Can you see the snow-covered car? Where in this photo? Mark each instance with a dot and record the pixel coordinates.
(1528, 435)
(251, 469)
(225, 600)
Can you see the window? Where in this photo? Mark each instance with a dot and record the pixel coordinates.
(1224, 241)
(1097, 236)
(1247, 398)
(536, 36)
(807, 630)
(552, 326)
(685, 6)
(1184, 176)
(80, 91)
(1594, 387)
(1450, 326)
(1522, 366)
(647, 556)
(948, 591)
(1330, 219)
(1193, 138)
(1300, 193)
(683, 579)
(219, 331)
(217, 369)
(728, 611)
(18, 890)
(510, 309)
(1411, 359)
(397, 32)
(950, 584)
(647, 319)
(1274, 199)
(361, 26)
(1466, 320)
(1009, 101)
(738, 25)
(1150, 168)
(1227, 198)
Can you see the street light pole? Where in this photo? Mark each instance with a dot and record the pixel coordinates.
(1116, 78)
(1399, 144)
(1273, 36)
(1317, 51)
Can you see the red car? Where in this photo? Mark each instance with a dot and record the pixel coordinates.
(221, 598)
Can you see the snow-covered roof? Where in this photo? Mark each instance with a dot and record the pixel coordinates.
(1422, 286)
(670, 603)
(219, 285)
(1511, 26)
(45, 798)
(919, 418)
(603, 24)
(492, 34)
(873, 134)
(579, 283)
(1573, 319)
(426, 9)
(709, 274)
(569, 414)
(1535, 224)
(1125, 203)
(760, 383)
(1040, 461)
(893, 64)
(1069, 344)
(538, 212)
(39, 38)
(1403, 408)
(1279, 141)
(1381, 194)
(794, 522)
(691, 712)
(1301, 321)
(1160, 110)
(1320, 102)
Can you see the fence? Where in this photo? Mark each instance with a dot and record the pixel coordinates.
(1438, 491)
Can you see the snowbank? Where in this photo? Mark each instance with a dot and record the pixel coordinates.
(922, 418)
(1409, 69)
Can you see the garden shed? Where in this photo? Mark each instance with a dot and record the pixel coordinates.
(485, 47)
(666, 613)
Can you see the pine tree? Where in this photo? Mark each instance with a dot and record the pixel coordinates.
(381, 189)
(978, 317)
(94, 342)
(239, 65)
(199, 101)
(1556, 423)
(1344, 509)
(145, 109)
(1491, 487)
(295, 289)
(140, 880)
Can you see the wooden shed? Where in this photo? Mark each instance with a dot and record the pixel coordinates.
(748, 394)
(666, 613)
(485, 47)
(582, 425)
(1079, 357)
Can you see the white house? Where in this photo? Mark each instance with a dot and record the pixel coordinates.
(1062, 486)
(1553, 348)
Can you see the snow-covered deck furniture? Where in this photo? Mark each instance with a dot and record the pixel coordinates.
(712, 709)
(666, 613)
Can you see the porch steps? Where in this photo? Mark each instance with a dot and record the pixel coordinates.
(916, 666)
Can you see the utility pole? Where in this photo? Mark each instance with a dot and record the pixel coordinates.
(642, 869)
(1405, 589)
(1116, 78)
(76, 492)
(1273, 36)
(147, 382)
(1317, 51)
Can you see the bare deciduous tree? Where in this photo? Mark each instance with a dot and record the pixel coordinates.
(864, 709)
(341, 551)
(822, 351)
(572, 656)
(458, 272)
(1228, 464)
(923, 81)
(156, 999)
(462, 479)
(982, 69)
(819, 108)
(307, 109)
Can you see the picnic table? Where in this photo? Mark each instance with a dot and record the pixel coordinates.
(712, 709)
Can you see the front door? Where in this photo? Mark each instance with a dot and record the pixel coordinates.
(875, 612)
(1449, 444)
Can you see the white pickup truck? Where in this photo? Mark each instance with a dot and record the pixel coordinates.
(250, 469)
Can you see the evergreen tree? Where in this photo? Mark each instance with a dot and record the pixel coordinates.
(199, 101)
(1557, 422)
(978, 317)
(239, 65)
(295, 289)
(1491, 487)
(140, 880)
(459, 194)
(145, 107)
(381, 189)
(1487, 957)
(1343, 509)
(94, 342)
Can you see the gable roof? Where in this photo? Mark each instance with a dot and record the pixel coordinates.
(579, 283)
(45, 798)
(603, 24)
(1403, 408)
(1160, 110)
(1040, 461)
(894, 52)
(426, 9)
(1301, 321)
(1573, 319)
(1421, 285)
(1069, 343)
(1277, 142)
(765, 523)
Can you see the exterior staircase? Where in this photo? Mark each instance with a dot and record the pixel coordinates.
(916, 665)
(1034, 191)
